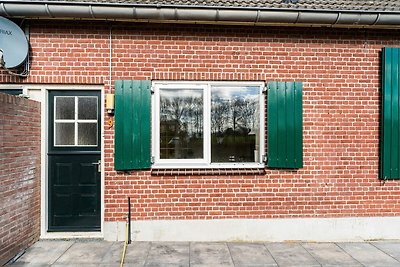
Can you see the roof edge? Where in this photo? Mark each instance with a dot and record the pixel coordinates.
(67, 3)
(199, 14)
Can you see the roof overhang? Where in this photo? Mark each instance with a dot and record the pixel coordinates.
(198, 14)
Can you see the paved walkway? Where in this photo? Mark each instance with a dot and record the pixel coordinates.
(173, 254)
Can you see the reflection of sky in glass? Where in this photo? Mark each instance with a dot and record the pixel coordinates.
(183, 93)
(230, 92)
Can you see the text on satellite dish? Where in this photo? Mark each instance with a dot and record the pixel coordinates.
(5, 32)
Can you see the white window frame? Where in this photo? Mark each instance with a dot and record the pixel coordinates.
(206, 161)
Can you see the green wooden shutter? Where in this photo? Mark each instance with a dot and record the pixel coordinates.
(390, 127)
(132, 125)
(285, 125)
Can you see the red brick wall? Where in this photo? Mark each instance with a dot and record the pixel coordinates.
(19, 175)
(340, 71)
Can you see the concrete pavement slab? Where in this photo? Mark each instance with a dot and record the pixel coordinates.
(85, 253)
(203, 254)
(85, 265)
(45, 252)
(291, 255)
(250, 254)
(368, 255)
(136, 253)
(329, 254)
(168, 254)
(90, 253)
(391, 248)
(163, 265)
(114, 254)
(28, 265)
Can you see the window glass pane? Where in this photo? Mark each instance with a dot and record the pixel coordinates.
(87, 134)
(11, 91)
(235, 124)
(87, 108)
(181, 123)
(65, 108)
(65, 134)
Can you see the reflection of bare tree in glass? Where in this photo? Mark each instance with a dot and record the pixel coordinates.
(233, 121)
(219, 115)
(247, 113)
(181, 119)
(241, 114)
(236, 114)
(183, 110)
(195, 112)
(236, 107)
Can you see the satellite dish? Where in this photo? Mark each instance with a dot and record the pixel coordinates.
(13, 44)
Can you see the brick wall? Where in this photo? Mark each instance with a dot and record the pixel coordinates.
(340, 71)
(19, 174)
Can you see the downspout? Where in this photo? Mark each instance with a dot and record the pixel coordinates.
(200, 14)
(110, 61)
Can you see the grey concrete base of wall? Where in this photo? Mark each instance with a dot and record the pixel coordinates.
(274, 230)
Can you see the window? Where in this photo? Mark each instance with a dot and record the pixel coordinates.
(209, 124)
(11, 91)
(75, 121)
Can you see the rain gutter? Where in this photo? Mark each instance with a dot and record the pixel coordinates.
(199, 14)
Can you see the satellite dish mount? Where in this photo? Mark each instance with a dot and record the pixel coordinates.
(2, 63)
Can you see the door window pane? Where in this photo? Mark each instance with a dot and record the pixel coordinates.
(181, 123)
(235, 120)
(64, 134)
(65, 108)
(87, 134)
(76, 121)
(87, 108)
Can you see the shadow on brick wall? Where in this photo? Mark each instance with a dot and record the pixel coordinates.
(19, 175)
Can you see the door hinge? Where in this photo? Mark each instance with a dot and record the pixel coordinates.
(264, 159)
(264, 90)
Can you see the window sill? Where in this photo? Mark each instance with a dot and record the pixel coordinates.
(207, 171)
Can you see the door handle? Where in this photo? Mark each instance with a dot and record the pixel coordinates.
(98, 163)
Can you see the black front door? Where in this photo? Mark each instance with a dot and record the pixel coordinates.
(74, 161)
